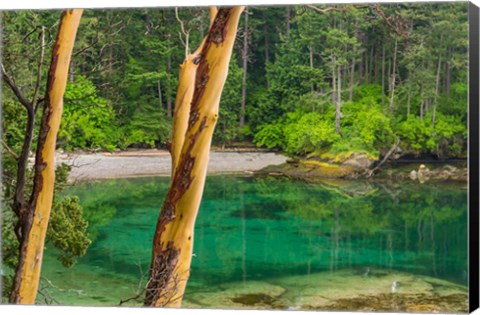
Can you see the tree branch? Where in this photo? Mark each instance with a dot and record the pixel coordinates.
(397, 29)
(370, 172)
(39, 69)
(185, 33)
(311, 6)
(9, 150)
(16, 91)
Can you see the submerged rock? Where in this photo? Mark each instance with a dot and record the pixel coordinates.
(345, 290)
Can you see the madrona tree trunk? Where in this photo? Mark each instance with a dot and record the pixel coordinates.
(202, 77)
(34, 220)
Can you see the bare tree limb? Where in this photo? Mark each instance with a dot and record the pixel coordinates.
(16, 91)
(398, 29)
(9, 150)
(311, 6)
(184, 31)
(39, 69)
(369, 173)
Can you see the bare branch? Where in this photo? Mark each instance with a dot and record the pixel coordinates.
(370, 172)
(185, 33)
(398, 29)
(9, 150)
(311, 6)
(16, 91)
(93, 43)
(39, 69)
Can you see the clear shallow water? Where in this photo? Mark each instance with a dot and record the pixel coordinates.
(274, 243)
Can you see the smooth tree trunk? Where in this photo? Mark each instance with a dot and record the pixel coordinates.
(34, 223)
(244, 74)
(310, 49)
(334, 79)
(377, 63)
(408, 102)
(367, 69)
(352, 82)
(202, 77)
(370, 68)
(435, 100)
(20, 205)
(338, 104)
(266, 43)
(383, 75)
(392, 79)
(159, 90)
(169, 90)
(448, 72)
(360, 66)
(421, 103)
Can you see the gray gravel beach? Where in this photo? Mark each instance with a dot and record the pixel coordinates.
(157, 163)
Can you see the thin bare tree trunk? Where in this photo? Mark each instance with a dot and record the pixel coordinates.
(310, 50)
(392, 79)
(334, 79)
(360, 68)
(421, 110)
(173, 239)
(448, 73)
(383, 75)
(35, 222)
(169, 89)
(244, 76)
(377, 62)
(437, 83)
(367, 69)
(352, 78)
(159, 90)
(408, 102)
(370, 68)
(338, 107)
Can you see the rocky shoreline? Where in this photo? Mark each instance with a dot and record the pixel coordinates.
(360, 168)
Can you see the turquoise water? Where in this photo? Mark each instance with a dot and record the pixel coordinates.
(264, 242)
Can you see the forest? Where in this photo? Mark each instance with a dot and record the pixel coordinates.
(305, 81)
(300, 81)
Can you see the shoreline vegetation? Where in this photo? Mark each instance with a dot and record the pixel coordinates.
(260, 162)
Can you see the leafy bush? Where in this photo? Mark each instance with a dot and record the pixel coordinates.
(88, 121)
(306, 133)
(446, 137)
(270, 136)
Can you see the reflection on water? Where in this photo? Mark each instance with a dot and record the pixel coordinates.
(274, 243)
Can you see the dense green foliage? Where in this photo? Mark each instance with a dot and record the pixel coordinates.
(422, 101)
(406, 80)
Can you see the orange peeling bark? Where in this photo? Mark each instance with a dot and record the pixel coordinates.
(173, 239)
(42, 196)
